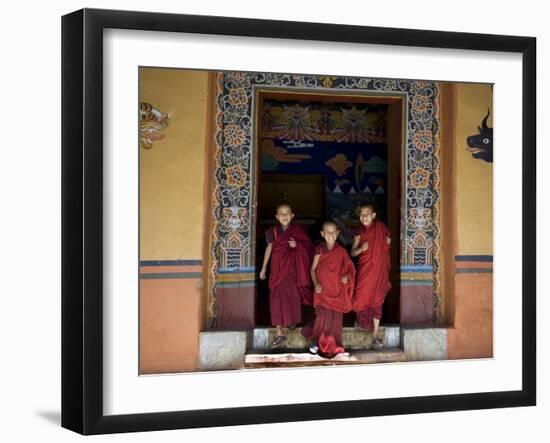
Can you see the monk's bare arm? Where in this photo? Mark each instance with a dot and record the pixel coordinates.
(316, 284)
(267, 254)
(345, 270)
(355, 250)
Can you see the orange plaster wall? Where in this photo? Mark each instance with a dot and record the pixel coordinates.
(172, 220)
(472, 335)
(169, 325)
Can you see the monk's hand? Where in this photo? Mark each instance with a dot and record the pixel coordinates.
(318, 288)
(345, 279)
(292, 243)
(364, 246)
(262, 274)
(388, 240)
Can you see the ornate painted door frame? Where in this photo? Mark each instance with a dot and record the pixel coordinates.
(231, 270)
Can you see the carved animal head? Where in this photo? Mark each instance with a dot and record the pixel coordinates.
(481, 145)
(152, 124)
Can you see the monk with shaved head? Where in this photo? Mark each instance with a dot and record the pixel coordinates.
(290, 250)
(333, 275)
(371, 244)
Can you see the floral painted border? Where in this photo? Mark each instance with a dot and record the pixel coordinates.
(234, 171)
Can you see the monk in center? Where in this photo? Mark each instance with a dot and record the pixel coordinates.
(333, 275)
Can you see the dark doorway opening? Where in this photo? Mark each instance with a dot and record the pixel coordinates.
(323, 155)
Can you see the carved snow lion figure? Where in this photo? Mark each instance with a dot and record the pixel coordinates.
(152, 124)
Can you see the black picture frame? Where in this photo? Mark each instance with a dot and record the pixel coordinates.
(82, 215)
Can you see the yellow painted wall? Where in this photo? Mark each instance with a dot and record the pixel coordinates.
(172, 172)
(474, 177)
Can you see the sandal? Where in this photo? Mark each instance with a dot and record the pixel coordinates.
(291, 327)
(377, 343)
(279, 339)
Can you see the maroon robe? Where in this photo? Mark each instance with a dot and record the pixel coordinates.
(289, 278)
(326, 331)
(373, 282)
(334, 299)
(331, 267)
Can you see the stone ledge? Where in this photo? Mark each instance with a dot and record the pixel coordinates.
(219, 350)
(424, 343)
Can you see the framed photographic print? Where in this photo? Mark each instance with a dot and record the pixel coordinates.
(261, 216)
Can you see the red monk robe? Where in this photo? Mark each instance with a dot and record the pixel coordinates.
(333, 301)
(289, 279)
(373, 282)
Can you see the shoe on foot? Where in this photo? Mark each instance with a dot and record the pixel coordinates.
(313, 349)
(278, 340)
(377, 343)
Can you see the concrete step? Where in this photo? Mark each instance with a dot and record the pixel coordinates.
(353, 339)
(297, 359)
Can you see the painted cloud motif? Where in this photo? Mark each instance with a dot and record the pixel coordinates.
(375, 165)
(339, 164)
(273, 155)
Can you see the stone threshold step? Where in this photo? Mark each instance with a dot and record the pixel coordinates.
(277, 351)
(353, 339)
(344, 328)
(290, 359)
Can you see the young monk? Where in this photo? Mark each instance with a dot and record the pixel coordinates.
(291, 252)
(333, 275)
(371, 244)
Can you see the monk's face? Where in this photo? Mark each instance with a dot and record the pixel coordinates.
(284, 216)
(330, 234)
(366, 216)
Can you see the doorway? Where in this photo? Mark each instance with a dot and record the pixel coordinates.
(324, 154)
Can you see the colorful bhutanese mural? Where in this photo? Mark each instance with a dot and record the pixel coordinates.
(344, 142)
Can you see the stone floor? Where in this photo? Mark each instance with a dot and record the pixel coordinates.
(279, 358)
(293, 352)
(222, 350)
